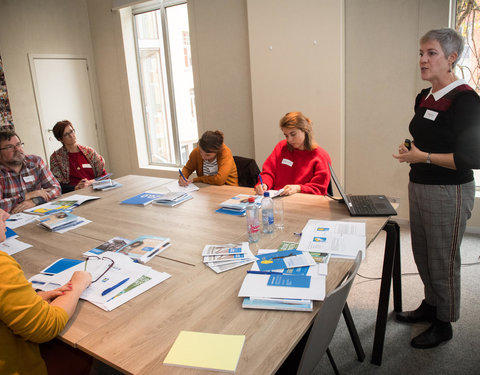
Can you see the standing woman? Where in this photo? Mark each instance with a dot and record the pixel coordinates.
(212, 160)
(75, 166)
(445, 148)
(297, 164)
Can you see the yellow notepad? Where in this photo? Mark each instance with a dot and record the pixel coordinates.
(206, 350)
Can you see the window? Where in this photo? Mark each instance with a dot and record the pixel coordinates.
(166, 80)
(467, 23)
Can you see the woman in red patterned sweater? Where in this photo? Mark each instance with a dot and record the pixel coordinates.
(75, 166)
(297, 164)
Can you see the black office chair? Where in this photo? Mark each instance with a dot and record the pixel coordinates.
(247, 170)
(310, 349)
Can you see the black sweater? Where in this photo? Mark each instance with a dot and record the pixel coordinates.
(454, 129)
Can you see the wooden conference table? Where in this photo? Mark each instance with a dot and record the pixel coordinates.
(136, 337)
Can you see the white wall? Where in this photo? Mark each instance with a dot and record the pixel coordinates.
(38, 27)
(296, 62)
(382, 81)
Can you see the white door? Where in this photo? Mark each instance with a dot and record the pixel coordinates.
(63, 92)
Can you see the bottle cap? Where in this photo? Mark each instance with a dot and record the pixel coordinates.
(266, 194)
(251, 199)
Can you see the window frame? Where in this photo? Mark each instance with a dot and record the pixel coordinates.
(170, 106)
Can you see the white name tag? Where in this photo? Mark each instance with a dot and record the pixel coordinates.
(29, 178)
(287, 162)
(431, 115)
(86, 166)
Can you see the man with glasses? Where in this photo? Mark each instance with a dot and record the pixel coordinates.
(25, 180)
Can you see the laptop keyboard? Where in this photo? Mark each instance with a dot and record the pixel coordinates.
(363, 204)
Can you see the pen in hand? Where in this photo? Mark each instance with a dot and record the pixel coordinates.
(181, 174)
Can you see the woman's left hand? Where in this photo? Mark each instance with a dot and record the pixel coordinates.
(291, 189)
(52, 294)
(412, 156)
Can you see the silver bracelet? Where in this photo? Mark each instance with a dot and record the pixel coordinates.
(429, 160)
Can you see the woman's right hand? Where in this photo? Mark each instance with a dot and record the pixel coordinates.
(81, 280)
(260, 189)
(182, 182)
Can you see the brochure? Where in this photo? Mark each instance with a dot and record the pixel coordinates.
(113, 244)
(143, 248)
(143, 199)
(66, 203)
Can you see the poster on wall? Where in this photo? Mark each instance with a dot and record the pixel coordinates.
(6, 119)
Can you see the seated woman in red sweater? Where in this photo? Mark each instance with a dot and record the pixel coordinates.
(212, 160)
(297, 164)
(75, 166)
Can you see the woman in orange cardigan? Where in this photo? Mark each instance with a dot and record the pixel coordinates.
(212, 160)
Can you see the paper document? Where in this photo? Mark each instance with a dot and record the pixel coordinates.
(206, 350)
(338, 238)
(173, 186)
(115, 279)
(12, 246)
(20, 219)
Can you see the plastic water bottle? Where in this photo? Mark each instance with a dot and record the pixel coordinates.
(253, 223)
(267, 213)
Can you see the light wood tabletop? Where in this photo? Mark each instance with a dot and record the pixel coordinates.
(136, 337)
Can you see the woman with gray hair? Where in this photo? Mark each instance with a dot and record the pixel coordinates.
(444, 150)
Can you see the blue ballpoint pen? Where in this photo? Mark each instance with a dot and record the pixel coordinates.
(108, 290)
(265, 272)
(181, 174)
(260, 178)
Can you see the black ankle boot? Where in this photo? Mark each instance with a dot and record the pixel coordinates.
(437, 333)
(424, 313)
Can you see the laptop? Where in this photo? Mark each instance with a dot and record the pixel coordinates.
(364, 205)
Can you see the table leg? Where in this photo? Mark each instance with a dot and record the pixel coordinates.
(391, 268)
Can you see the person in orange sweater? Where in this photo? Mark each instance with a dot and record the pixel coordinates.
(28, 318)
(212, 160)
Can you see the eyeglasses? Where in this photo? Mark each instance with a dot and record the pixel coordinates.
(68, 134)
(98, 266)
(11, 147)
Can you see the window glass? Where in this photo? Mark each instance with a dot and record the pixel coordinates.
(165, 64)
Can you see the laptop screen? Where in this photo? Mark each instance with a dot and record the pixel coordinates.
(337, 184)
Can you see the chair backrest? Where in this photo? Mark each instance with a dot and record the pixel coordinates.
(247, 170)
(326, 322)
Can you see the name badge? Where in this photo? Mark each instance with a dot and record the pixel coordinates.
(430, 115)
(287, 162)
(86, 166)
(29, 178)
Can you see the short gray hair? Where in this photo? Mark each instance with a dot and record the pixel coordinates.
(450, 41)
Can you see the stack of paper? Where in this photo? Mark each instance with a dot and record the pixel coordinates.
(206, 350)
(112, 286)
(222, 258)
(237, 204)
(172, 199)
(62, 221)
(341, 239)
(283, 280)
(143, 248)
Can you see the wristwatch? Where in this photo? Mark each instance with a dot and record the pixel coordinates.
(429, 161)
